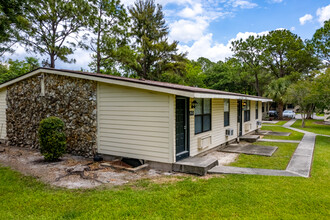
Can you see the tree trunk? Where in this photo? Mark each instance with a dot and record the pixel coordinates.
(257, 84)
(52, 60)
(280, 110)
(98, 49)
(310, 112)
(303, 119)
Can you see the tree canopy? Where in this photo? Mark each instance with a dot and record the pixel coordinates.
(109, 27)
(14, 68)
(54, 28)
(152, 55)
(321, 42)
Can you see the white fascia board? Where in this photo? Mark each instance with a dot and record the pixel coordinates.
(238, 97)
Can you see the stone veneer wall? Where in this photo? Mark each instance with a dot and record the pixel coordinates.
(71, 99)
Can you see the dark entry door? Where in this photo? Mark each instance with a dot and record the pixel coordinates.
(239, 116)
(181, 128)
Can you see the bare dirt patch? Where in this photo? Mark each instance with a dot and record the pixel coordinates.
(75, 171)
(223, 158)
(78, 172)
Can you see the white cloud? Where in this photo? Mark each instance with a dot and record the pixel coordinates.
(304, 19)
(245, 35)
(243, 4)
(191, 12)
(323, 14)
(292, 29)
(206, 47)
(188, 30)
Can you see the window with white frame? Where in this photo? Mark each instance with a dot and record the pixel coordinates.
(226, 112)
(202, 115)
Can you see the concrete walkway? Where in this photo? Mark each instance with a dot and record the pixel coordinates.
(277, 140)
(251, 171)
(299, 165)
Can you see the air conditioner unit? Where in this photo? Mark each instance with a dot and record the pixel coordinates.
(204, 142)
(247, 127)
(259, 123)
(229, 132)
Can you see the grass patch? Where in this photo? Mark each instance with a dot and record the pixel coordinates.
(311, 126)
(281, 123)
(231, 196)
(278, 161)
(278, 123)
(295, 135)
(319, 114)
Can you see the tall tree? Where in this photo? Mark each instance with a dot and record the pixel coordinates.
(276, 90)
(300, 93)
(287, 57)
(54, 27)
(321, 42)
(250, 52)
(228, 76)
(109, 26)
(286, 53)
(152, 54)
(322, 90)
(12, 20)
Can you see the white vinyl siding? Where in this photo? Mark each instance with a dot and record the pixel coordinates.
(252, 124)
(3, 106)
(135, 123)
(217, 133)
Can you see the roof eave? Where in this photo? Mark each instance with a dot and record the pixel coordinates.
(154, 88)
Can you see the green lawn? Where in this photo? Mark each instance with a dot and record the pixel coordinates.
(281, 123)
(279, 160)
(311, 126)
(278, 123)
(230, 196)
(293, 136)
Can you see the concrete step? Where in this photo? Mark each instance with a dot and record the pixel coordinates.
(195, 165)
(249, 138)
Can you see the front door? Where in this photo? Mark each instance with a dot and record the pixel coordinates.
(239, 117)
(181, 128)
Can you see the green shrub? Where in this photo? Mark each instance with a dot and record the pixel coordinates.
(52, 138)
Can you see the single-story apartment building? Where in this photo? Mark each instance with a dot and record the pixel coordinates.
(134, 118)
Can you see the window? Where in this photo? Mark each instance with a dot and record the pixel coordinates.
(226, 112)
(202, 115)
(246, 111)
(257, 110)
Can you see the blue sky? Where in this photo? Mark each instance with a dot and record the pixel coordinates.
(206, 27)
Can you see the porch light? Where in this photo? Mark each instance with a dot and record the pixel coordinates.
(193, 104)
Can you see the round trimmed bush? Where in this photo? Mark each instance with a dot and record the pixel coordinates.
(52, 138)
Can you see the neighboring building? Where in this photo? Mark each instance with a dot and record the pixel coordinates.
(125, 117)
